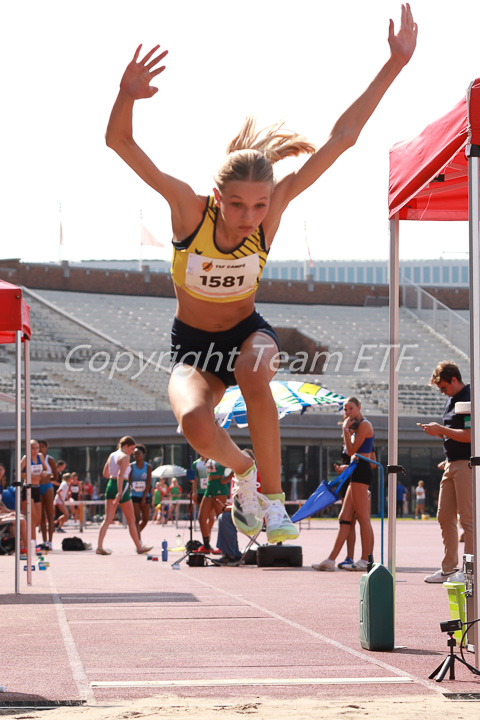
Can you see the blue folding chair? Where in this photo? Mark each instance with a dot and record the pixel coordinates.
(326, 494)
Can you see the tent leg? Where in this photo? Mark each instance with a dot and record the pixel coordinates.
(18, 453)
(28, 464)
(393, 391)
(474, 239)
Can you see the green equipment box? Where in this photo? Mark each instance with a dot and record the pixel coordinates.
(377, 609)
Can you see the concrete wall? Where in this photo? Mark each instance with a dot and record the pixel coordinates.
(63, 277)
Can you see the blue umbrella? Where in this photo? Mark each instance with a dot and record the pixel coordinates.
(289, 395)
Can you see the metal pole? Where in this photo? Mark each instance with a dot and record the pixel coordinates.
(18, 453)
(393, 391)
(474, 239)
(28, 463)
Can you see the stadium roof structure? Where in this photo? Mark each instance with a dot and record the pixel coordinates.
(436, 176)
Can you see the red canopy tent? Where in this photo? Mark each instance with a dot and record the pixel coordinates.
(14, 313)
(435, 176)
(15, 328)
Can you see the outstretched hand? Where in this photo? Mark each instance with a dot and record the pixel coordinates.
(402, 45)
(138, 75)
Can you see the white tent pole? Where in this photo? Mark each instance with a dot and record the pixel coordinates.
(474, 238)
(18, 453)
(393, 391)
(28, 454)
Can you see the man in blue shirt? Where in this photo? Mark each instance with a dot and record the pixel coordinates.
(456, 487)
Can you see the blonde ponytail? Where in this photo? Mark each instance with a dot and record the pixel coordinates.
(252, 153)
(274, 142)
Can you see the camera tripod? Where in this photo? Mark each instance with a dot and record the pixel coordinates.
(448, 663)
(190, 512)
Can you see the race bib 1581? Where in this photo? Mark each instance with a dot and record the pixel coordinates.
(221, 278)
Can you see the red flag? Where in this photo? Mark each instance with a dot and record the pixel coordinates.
(148, 239)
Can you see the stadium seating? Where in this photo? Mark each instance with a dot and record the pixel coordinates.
(356, 339)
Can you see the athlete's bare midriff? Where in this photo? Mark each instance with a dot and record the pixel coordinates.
(212, 316)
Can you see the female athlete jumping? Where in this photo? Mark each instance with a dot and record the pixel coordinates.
(220, 246)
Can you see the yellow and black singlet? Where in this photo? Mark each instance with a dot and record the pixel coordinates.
(207, 273)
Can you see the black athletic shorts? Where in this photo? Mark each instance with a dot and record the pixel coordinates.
(35, 494)
(362, 473)
(216, 352)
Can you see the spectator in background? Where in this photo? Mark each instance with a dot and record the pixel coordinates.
(8, 517)
(214, 500)
(61, 468)
(200, 482)
(39, 471)
(358, 436)
(175, 495)
(7, 513)
(117, 469)
(61, 497)
(157, 503)
(141, 482)
(419, 499)
(47, 494)
(164, 490)
(76, 495)
(87, 489)
(3, 478)
(401, 497)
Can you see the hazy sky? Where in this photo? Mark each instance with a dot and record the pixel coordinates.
(303, 62)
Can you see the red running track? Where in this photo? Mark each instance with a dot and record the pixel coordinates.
(210, 631)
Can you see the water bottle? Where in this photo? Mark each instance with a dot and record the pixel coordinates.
(164, 551)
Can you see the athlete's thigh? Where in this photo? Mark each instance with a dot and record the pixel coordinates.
(259, 352)
(190, 388)
(347, 511)
(360, 499)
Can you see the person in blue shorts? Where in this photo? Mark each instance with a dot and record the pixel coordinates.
(140, 487)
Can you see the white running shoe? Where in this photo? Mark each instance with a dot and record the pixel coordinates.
(247, 513)
(458, 577)
(360, 566)
(278, 524)
(325, 566)
(439, 577)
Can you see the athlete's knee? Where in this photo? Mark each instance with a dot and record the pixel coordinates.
(196, 425)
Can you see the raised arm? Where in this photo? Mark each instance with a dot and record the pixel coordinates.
(346, 130)
(186, 206)
(358, 436)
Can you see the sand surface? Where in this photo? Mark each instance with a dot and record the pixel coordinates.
(427, 708)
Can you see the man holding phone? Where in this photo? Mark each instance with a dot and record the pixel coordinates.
(456, 487)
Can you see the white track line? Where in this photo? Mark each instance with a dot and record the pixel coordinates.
(249, 681)
(78, 671)
(362, 656)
